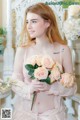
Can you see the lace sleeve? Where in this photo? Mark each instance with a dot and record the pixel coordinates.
(21, 88)
(57, 88)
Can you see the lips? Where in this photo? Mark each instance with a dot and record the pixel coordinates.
(31, 31)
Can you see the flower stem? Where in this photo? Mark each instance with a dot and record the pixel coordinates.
(34, 95)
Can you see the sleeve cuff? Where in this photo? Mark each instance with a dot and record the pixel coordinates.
(27, 94)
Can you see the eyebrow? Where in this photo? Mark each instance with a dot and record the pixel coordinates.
(32, 19)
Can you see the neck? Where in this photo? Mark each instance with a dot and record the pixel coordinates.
(42, 40)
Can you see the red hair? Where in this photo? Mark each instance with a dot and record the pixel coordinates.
(47, 14)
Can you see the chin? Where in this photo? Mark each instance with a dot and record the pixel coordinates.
(32, 37)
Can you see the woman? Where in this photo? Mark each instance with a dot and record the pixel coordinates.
(40, 36)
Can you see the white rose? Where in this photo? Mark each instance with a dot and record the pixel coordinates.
(73, 10)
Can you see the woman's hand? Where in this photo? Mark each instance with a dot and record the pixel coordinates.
(37, 86)
(44, 86)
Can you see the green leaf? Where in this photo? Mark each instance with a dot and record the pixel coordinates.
(30, 72)
(3, 31)
(36, 66)
(46, 80)
(29, 66)
(32, 77)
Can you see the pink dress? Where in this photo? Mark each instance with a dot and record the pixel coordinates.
(48, 105)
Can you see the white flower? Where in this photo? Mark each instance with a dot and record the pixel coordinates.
(71, 26)
(74, 11)
(71, 29)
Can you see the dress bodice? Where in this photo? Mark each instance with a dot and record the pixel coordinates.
(56, 55)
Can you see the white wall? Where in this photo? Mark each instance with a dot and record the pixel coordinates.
(3, 13)
(0, 12)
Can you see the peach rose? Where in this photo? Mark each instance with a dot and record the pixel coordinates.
(36, 59)
(31, 60)
(51, 78)
(67, 79)
(55, 74)
(41, 73)
(47, 62)
(59, 66)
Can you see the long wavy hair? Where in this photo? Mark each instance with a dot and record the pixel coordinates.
(47, 14)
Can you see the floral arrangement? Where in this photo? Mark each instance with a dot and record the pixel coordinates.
(74, 11)
(45, 69)
(5, 86)
(71, 27)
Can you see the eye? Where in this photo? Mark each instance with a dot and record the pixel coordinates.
(27, 22)
(34, 21)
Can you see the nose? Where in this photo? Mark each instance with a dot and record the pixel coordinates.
(29, 26)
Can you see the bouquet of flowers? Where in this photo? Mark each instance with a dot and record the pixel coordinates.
(5, 86)
(45, 69)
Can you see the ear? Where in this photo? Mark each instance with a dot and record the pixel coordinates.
(47, 23)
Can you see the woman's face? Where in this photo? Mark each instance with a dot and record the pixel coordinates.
(36, 25)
